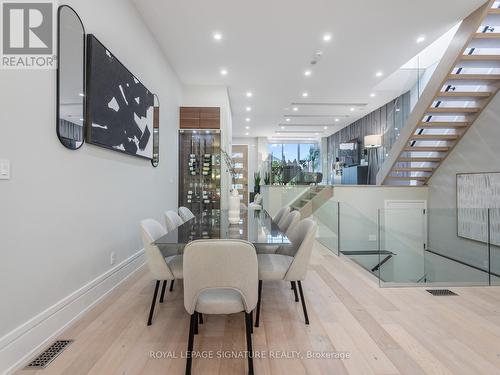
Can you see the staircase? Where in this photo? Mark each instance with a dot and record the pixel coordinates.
(317, 195)
(464, 82)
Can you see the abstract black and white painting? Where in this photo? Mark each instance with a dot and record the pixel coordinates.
(119, 106)
(476, 193)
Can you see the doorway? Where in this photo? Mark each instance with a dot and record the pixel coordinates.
(240, 159)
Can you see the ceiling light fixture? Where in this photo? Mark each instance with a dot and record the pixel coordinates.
(217, 36)
(282, 128)
(325, 127)
(379, 74)
(372, 95)
(287, 119)
(223, 72)
(337, 120)
(247, 119)
(295, 109)
(307, 73)
(420, 39)
(248, 109)
(249, 94)
(327, 37)
(352, 109)
(247, 127)
(305, 94)
(247, 133)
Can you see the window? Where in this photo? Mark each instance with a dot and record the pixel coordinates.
(288, 160)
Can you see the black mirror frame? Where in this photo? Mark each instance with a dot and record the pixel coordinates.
(58, 76)
(156, 121)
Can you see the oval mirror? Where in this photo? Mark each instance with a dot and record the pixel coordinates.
(70, 78)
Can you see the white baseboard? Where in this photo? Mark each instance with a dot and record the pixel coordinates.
(22, 343)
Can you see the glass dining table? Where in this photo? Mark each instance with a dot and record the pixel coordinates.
(255, 226)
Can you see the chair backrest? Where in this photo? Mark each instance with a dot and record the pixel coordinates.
(185, 214)
(257, 199)
(220, 264)
(305, 233)
(281, 214)
(172, 220)
(290, 221)
(151, 230)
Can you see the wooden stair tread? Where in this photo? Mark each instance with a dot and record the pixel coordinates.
(442, 125)
(453, 110)
(494, 11)
(437, 137)
(426, 149)
(464, 94)
(480, 57)
(474, 77)
(412, 169)
(487, 36)
(417, 178)
(419, 160)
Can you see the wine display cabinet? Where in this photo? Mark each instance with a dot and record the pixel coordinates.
(199, 169)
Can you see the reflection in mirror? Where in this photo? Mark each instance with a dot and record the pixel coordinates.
(156, 132)
(70, 78)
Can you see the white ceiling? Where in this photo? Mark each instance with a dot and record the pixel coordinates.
(267, 46)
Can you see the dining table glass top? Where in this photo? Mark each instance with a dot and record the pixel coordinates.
(255, 226)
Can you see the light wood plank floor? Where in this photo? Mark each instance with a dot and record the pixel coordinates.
(385, 331)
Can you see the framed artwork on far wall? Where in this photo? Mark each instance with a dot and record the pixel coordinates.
(120, 109)
(476, 193)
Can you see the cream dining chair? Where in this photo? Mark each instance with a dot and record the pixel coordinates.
(289, 268)
(281, 213)
(172, 220)
(162, 269)
(220, 277)
(185, 214)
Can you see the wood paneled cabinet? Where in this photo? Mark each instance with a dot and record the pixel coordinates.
(199, 118)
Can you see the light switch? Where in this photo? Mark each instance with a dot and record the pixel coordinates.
(4, 169)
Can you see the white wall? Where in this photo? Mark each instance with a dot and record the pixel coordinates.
(478, 151)
(214, 96)
(63, 212)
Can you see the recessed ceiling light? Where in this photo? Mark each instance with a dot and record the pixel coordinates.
(327, 37)
(247, 133)
(249, 94)
(325, 127)
(217, 36)
(223, 72)
(372, 95)
(248, 109)
(81, 94)
(81, 119)
(295, 109)
(247, 119)
(316, 133)
(352, 109)
(307, 73)
(247, 127)
(278, 133)
(282, 128)
(337, 120)
(420, 39)
(305, 94)
(287, 119)
(379, 74)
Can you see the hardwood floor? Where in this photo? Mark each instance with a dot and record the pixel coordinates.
(384, 331)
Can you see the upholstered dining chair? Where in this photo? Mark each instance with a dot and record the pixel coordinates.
(290, 221)
(281, 213)
(172, 220)
(289, 268)
(220, 277)
(185, 214)
(162, 269)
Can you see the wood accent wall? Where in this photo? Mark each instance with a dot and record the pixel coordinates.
(199, 118)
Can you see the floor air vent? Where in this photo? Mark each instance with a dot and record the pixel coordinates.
(441, 292)
(49, 354)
